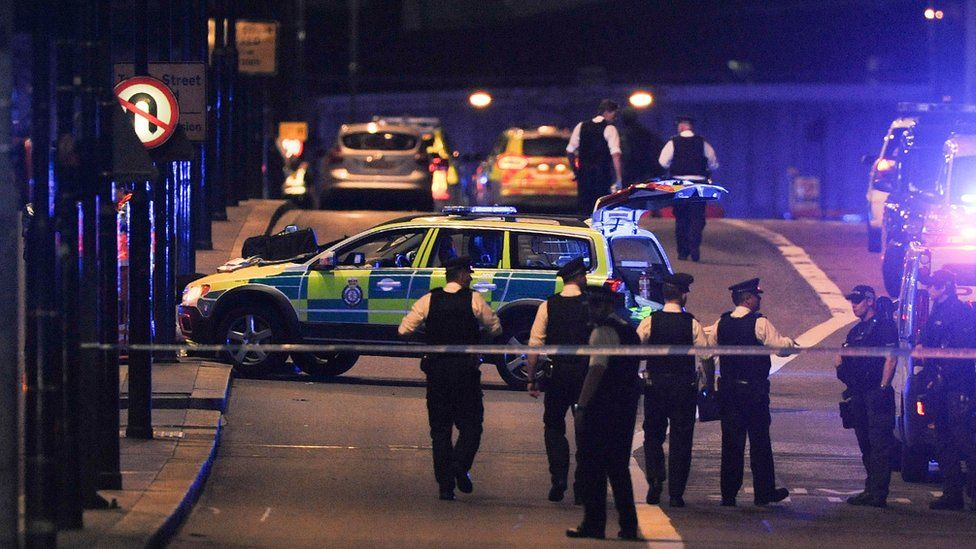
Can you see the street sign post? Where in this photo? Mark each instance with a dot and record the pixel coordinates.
(257, 43)
(188, 82)
(152, 107)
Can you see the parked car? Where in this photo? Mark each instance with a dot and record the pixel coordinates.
(528, 167)
(371, 158)
(441, 154)
(941, 211)
(357, 290)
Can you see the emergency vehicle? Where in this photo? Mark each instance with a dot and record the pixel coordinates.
(947, 241)
(356, 291)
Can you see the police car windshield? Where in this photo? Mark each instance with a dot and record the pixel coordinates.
(545, 146)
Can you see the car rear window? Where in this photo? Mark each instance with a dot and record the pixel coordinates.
(638, 254)
(545, 146)
(548, 252)
(379, 141)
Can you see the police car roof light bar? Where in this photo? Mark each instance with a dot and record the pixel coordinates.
(479, 210)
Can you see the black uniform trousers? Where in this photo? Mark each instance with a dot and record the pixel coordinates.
(874, 422)
(562, 392)
(591, 183)
(954, 437)
(745, 411)
(689, 222)
(454, 398)
(605, 440)
(669, 400)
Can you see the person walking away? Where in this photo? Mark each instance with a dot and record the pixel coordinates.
(605, 415)
(561, 320)
(870, 394)
(671, 391)
(688, 157)
(453, 315)
(743, 396)
(594, 154)
(951, 325)
(639, 149)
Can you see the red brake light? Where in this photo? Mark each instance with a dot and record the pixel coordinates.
(614, 284)
(919, 408)
(436, 163)
(512, 162)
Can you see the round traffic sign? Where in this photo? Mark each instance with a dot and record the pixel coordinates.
(152, 107)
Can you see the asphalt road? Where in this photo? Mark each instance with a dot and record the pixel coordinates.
(348, 463)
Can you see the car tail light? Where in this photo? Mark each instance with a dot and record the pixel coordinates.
(335, 156)
(615, 284)
(436, 163)
(919, 408)
(512, 162)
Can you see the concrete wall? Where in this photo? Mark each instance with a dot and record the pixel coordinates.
(759, 131)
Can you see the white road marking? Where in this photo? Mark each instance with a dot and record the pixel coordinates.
(936, 494)
(799, 491)
(902, 500)
(839, 492)
(214, 510)
(831, 296)
(654, 524)
(264, 517)
(834, 500)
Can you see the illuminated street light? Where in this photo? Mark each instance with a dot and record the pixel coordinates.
(641, 99)
(480, 99)
(932, 13)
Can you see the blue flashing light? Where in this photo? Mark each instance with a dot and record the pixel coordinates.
(479, 210)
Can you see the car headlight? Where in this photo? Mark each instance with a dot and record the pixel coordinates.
(192, 294)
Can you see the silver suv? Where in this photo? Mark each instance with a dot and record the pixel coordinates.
(378, 157)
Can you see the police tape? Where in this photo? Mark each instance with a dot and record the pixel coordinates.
(568, 350)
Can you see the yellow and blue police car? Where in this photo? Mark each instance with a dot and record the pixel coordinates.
(357, 290)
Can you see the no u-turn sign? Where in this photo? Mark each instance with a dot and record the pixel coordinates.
(151, 106)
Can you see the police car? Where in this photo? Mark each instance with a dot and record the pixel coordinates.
(943, 237)
(357, 290)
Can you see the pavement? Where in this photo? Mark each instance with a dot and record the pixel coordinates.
(163, 477)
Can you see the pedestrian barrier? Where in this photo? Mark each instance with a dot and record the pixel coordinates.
(634, 350)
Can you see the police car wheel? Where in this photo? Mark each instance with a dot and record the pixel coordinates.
(512, 367)
(245, 326)
(325, 365)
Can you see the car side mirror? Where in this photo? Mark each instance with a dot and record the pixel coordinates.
(324, 263)
(868, 159)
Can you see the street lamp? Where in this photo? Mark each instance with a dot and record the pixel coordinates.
(479, 99)
(641, 99)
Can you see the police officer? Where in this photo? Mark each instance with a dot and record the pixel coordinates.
(605, 415)
(951, 325)
(561, 320)
(690, 158)
(453, 315)
(670, 391)
(595, 144)
(869, 391)
(744, 395)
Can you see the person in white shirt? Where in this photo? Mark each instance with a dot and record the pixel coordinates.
(688, 157)
(744, 395)
(671, 391)
(594, 154)
(561, 320)
(453, 315)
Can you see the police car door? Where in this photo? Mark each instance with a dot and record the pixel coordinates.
(485, 247)
(366, 295)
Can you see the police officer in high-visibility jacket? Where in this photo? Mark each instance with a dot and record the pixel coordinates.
(743, 395)
(561, 320)
(671, 391)
(453, 315)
